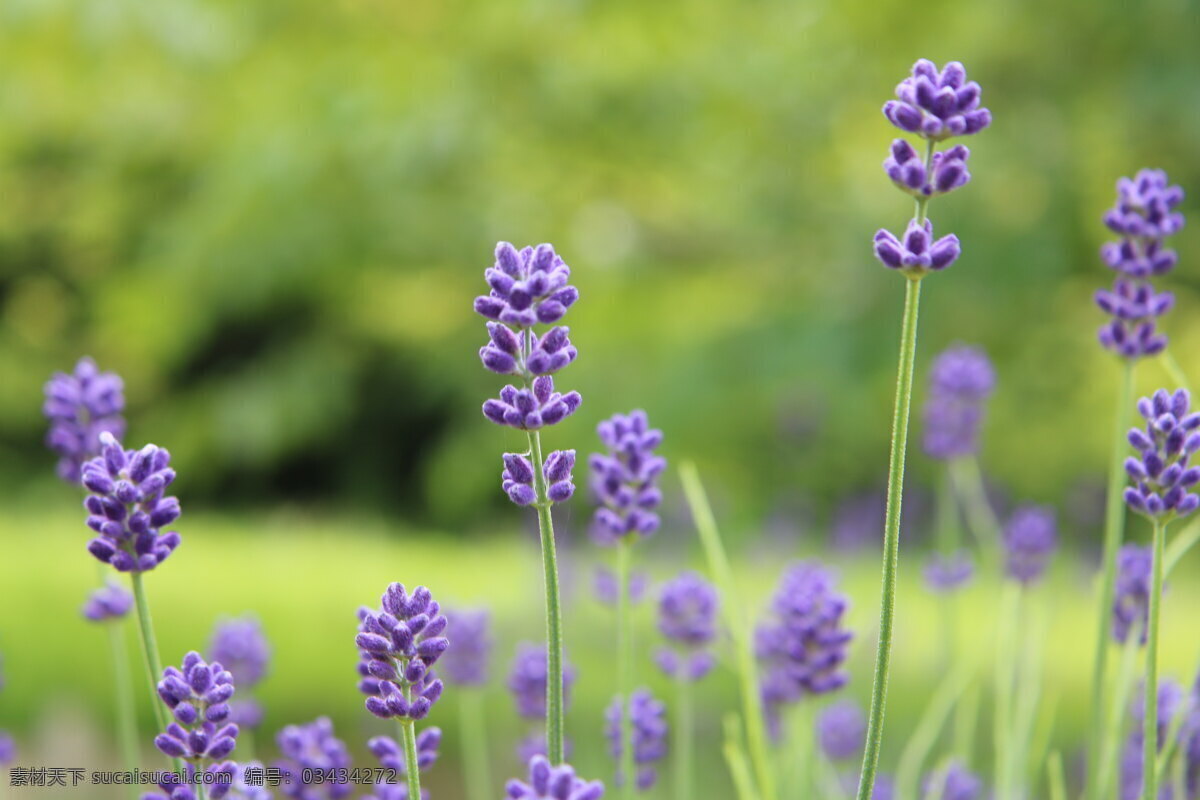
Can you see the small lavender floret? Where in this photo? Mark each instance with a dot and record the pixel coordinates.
(918, 252)
(517, 477)
(240, 645)
(1131, 601)
(127, 506)
(648, 718)
(391, 755)
(527, 286)
(468, 663)
(110, 601)
(547, 782)
(1030, 538)
(399, 645)
(604, 586)
(1146, 206)
(532, 409)
(842, 730)
(948, 573)
(625, 479)
(527, 681)
(947, 172)
(687, 617)
(960, 382)
(955, 782)
(313, 751)
(937, 105)
(81, 406)
(1172, 700)
(198, 695)
(1161, 472)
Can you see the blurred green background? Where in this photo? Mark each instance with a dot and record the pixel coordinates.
(271, 219)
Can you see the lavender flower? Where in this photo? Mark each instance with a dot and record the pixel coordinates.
(240, 645)
(649, 735)
(110, 601)
(517, 478)
(842, 730)
(906, 169)
(528, 286)
(468, 662)
(532, 409)
(1030, 538)
(687, 617)
(198, 696)
(1161, 472)
(127, 507)
(948, 573)
(954, 782)
(1131, 603)
(604, 586)
(553, 783)
(8, 749)
(960, 382)
(527, 681)
(937, 105)
(1172, 700)
(312, 759)
(80, 407)
(624, 480)
(391, 754)
(918, 252)
(400, 645)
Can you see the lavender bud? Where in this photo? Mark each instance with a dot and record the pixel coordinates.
(1030, 538)
(81, 406)
(314, 761)
(1161, 471)
(527, 681)
(624, 480)
(548, 782)
(648, 718)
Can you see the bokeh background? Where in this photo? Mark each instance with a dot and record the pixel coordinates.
(271, 219)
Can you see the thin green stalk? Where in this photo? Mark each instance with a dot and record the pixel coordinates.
(722, 575)
(981, 517)
(554, 633)
(123, 690)
(412, 771)
(1056, 777)
(1171, 743)
(1025, 756)
(948, 545)
(965, 714)
(735, 759)
(628, 779)
(475, 744)
(891, 537)
(1174, 370)
(684, 738)
(1110, 737)
(1180, 546)
(1150, 720)
(1114, 534)
(924, 737)
(150, 652)
(1002, 737)
(800, 726)
(198, 787)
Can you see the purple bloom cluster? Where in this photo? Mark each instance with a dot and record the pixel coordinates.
(917, 251)
(468, 662)
(240, 645)
(127, 507)
(1143, 217)
(604, 586)
(547, 782)
(947, 573)
(649, 735)
(391, 755)
(624, 480)
(803, 647)
(1172, 700)
(312, 757)
(198, 695)
(955, 782)
(687, 617)
(842, 730)
(1161, 472)
(81, 406)
(960, 382)
(947, 171)
(1131, 601)
(1030, 538)
(527, 681)
(937, 105)
(398, 648)
(110, 601)
(517, 478)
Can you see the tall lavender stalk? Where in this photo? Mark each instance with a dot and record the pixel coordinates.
(935, 106)
(529, 287)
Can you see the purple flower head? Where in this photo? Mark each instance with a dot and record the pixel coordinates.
(649, 735)
(960, 382)
(947, 172)
(937, 105)
(604, 586)
(1161, 472)
(917, 253)
(468, 662)
(391, 755)
(954, 782)
(517, 478)
(1134, 306)
(553, 783)
(687, 617)
(1131, 603)
(506, 354)
(399, 645)
(1172, 700)
(312, 759)
(527, 287)
(240, 645)
(527, 681)
(532, 409)
(8, 749)
(947, 573)
(198, 695)
(127, 507)
(625, 479)
(1030, 538)
(80, 407)
(842, 730)
(110, 601)
(1145, 206)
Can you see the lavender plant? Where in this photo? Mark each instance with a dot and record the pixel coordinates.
(200, 734)
(547, 782)
(530, 287)
(648, 721)
(391, 756)
(935, 105)
(314, 762)
(242, 647)
(467, 666)
(527, 681)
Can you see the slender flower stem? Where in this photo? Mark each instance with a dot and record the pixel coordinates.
(891, 533)
(735, 759)
(1150, 720)
(1056, 777)
(1006, 637)
(554, 632)
(475, 744)
(123, 686)
(412, 771)
(625, 671)
(1175, 371)
(684, 739)
(1114, 533)
(153, 663)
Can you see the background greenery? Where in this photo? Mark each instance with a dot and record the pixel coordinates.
(271, 218)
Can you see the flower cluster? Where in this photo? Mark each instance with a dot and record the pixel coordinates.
(947, 573)
(842, 730)
(1143, 217)
(391, 756)
(960, 382)
(1161, 471)
(547, 782)
(1030, 538)
(240, 645)
(527, 681)
(399, 646)
(127, 507)
(198, 695)
(917, 252)
(468, 662)
(954, 782)
(1171, 701)
(649, 735)
(110, 601)
(605, 585)
(687, 617)
(517, 478)
(80, 407)
(947, 170)
(937, 105)
(312, 760)
(624, 480)
(1131, 600)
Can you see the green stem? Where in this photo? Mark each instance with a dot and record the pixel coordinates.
(626, 776)
(981, 517)
(123, 690)
(1150, 722)
(1179, 548)
(735, 759)
(722, 575)
(1057, 779)
(412, 771)
(684, 738)
(475, 744)
(891, 537)
(1110, 737)
(1114, 533)
(929, 727)
(800, 726)
(153, 663)
(1175, 371)
(1005, 668)
(554, 632)
(948, 545)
